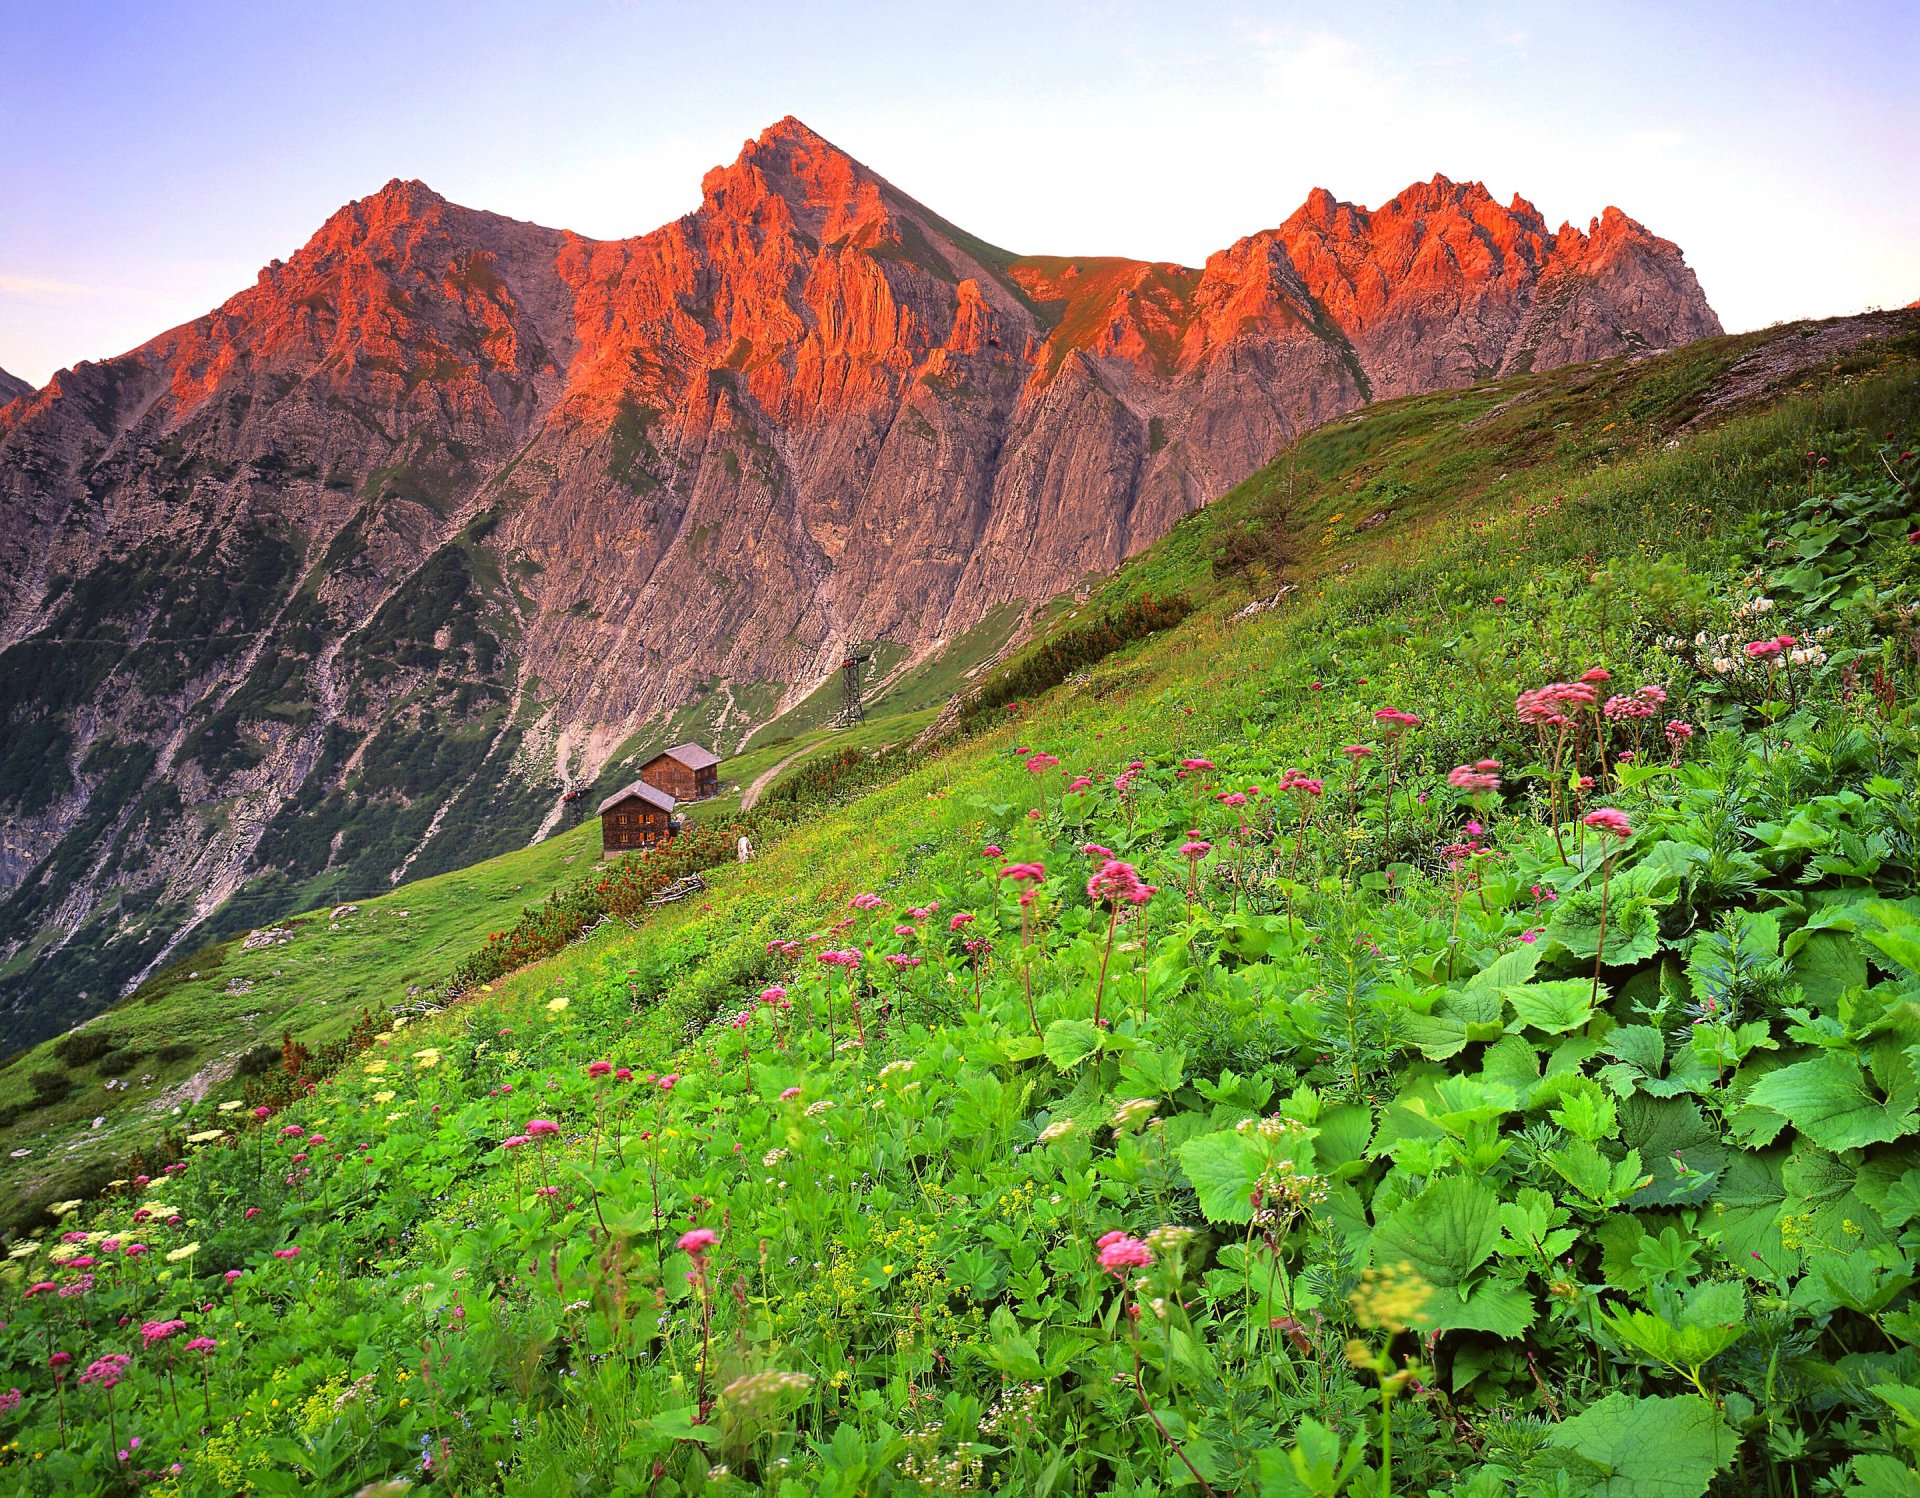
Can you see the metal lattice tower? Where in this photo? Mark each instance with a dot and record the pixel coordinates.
(852, 710)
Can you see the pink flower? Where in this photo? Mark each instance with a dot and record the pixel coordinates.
(866, 902)
(1231, 798)
(263, 1112)
(159, 1331)
(624, 1074)
(134, 1250)
(1679, 732)
(60, 1360)
(670, 1081)
(963, 919)
(790, 1094)
(774, 994)
(845, 959)
(1358, 752)
(106, 1371)
(1116, 881)
(201, 1344)
(290, 1130)
(1094, 850)
(599, 1068)
(286, 1253)
(539, 1126)
(1195, 849)
(514, 1141)
(232, 1275)
(1597, 675)
(1473, 781)
(1394, 720)
(39, 1287)
(1650, 693)
(1609, 820)
(1041, 763)
(1196, 764)
(250, 1214)
(1024, 872)
(698, 1241)
(992, 850)
(1532, 936)
(1760, 649)
(1119, 1253)
(1079, 783)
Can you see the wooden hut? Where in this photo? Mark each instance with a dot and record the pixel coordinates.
(687, 772)
(635, 816)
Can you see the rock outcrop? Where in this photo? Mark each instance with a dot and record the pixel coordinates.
(12, 387)
(329, 584)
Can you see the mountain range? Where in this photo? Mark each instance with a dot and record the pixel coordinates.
(334, 583)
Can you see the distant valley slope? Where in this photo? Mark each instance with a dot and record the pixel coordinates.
(331, 584)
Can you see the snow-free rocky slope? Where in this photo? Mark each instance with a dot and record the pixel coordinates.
(330, 585)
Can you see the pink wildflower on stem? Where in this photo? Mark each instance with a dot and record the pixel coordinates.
(1613, 824)
(1115, 884)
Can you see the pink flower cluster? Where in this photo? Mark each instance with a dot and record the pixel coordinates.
(846, 959)
(158, 1331)
(1609, 820)
(1393, 721)
(106, 1371)
(1477, 778)
(1297, 780)
(1556, 704)
(1115, 882)
(1119, 1253)
(1645, 702)
(1025, 873)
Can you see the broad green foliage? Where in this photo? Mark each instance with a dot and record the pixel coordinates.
(1353, 1152)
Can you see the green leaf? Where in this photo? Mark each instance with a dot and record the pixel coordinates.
(1496, 1309)
(1830, 1100)
(1646, 1448)
(1071, 1041)
(1224, 1167)
(1553, 1007)
(1633, 928)
(1445, 1233)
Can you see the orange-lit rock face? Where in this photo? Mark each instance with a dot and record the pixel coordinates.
(811, 409)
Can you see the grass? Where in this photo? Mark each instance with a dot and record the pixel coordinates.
(1524, 1229)
(223, 1000)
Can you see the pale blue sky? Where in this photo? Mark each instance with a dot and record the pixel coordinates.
(156, 155)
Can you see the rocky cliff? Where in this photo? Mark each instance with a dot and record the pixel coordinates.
(331, 583)
(12, 387)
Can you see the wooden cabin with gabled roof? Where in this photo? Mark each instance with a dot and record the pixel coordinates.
(687, 772)
(635, 816)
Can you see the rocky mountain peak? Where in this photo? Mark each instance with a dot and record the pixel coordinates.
(447, 505)
(12, 387)
(827, 194)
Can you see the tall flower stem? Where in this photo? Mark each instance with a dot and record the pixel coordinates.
(1099, 992)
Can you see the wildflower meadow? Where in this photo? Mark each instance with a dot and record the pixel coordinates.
(1452, 1033)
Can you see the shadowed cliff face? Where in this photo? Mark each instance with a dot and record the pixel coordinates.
(325, 585)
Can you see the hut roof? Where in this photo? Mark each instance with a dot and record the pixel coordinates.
(693, 756)
(652, 795)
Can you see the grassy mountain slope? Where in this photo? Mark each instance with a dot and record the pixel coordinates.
(1403, 1135)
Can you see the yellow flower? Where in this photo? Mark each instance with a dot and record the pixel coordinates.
(384, 1097)
(374, 1068)
(185, 1251)
(206, 1136)
(554, 1006)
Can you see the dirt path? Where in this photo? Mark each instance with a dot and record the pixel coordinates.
(750, 797)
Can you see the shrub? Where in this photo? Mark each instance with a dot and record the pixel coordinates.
(257, 1061)
(82, 1046)
(117, 1061)
(49, 1085)
(172, 1051)
(1073, 649)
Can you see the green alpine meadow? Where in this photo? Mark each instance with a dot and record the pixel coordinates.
(1411, 985)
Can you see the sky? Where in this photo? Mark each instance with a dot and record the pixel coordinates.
(159, 154)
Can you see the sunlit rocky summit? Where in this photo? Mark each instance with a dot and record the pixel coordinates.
(326, 585)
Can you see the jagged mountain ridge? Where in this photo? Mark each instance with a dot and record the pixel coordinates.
(12, 387)
(321, 586)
